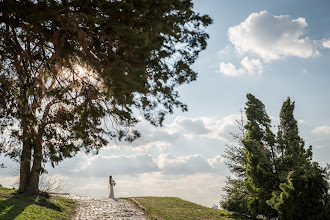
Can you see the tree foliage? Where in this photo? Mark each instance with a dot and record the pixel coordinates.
(73, 73)
(303, 192)
(261, 180)
(280, 179)
(235, 197)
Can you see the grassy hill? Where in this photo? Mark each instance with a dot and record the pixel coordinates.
(175, 208)
(14, 205)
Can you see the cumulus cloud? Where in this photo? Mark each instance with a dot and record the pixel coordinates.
(252, 66)
(151, 137)
(188, 126)
(100, 166)
(267, 37)
(217, 163)
(272, 37)
(190, 164)
(248, 67)
(322, 130)
(213, 128)
(223, 129)
(115, 165)
(190, 131)
(165, 136)
(229, 69)
(181, 130)
(326, 43)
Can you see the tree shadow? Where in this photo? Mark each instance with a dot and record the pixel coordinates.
(15, 204)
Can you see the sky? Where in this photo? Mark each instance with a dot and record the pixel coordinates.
(272, 49)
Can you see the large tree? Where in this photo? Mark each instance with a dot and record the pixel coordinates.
(303, 189)
(259, 145)
(74, 73)
(280, 179)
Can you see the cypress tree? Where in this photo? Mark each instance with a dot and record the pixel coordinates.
(261, 179)
(280, 178)
(303, 192)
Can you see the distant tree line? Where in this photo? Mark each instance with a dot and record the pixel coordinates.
(275, 176)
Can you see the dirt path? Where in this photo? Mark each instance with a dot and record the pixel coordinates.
(105, 208)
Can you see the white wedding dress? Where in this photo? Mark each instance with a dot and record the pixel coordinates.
(112, 195)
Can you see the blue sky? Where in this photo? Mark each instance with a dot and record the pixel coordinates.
(272, 49)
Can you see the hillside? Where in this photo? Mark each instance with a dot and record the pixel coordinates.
(175, 208)
(14, 205)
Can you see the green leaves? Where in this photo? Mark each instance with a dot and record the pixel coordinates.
(280, 180)
(74, 72)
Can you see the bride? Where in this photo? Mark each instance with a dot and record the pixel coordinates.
(112, 183)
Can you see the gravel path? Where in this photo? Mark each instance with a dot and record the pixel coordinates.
(105, 208)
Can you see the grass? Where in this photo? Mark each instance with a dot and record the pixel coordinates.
(175, 208)
(18, 206)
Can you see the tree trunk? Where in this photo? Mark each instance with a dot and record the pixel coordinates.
(33, 186)
(25, 165)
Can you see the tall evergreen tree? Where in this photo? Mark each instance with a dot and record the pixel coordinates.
(290, 145)
(261, 179)
(280, 179)
(303, 192)
(73, 72)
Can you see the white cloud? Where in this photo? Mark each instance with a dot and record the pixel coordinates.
(322, 130)
(115, 165)
(223, 129)
(209, 127)
(326, 43)
(248, 67)
(165, 136)
(300, 121)
(183, 135)
(252, 66)
(100, 166)
(272, 37)
(227, 52)
(229, 69)
(170, 164)
(181, 130)
(188, 126)
(151, 137)
(189, 164)
(216, 162)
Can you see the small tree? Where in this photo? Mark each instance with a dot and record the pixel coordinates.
(235, 197)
